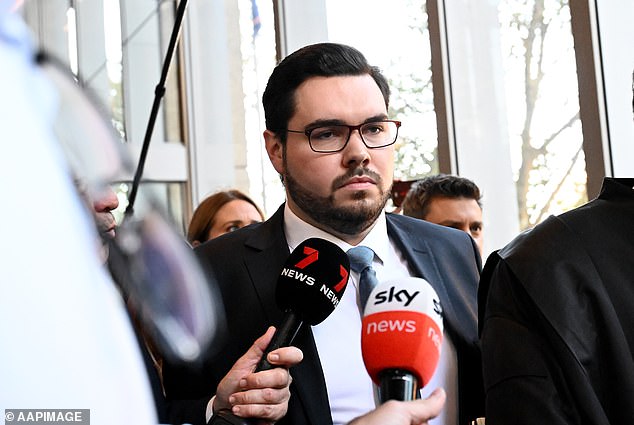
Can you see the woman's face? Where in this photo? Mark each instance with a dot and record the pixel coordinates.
(232, 216)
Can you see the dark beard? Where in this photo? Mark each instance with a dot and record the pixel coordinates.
(345, 220)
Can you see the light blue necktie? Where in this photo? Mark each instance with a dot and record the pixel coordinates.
(361, 262)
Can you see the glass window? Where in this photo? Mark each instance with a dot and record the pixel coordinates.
(116, 48)
(543, 108)
(394, 36)
(112, 28)
(146, 27)
(258, 50)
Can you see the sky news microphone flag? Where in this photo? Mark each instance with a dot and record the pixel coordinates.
(402, 331)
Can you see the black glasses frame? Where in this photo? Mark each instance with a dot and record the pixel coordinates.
(307, 132)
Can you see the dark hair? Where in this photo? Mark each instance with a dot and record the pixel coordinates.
(316, 60)
(418, 199)
(204, 215)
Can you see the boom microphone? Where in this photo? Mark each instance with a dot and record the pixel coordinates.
(401, 337)
(309, 287)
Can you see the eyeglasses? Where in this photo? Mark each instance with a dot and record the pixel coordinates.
(334, 138)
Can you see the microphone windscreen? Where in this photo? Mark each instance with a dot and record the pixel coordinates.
(402, 328)
(313, 280)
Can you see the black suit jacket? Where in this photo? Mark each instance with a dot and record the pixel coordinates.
(557, 318)
(246, 265)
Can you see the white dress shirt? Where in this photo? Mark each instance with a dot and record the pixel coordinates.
(338, 338)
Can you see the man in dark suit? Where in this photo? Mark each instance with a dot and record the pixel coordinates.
(329, 137)
(557, 318)
(451, 201)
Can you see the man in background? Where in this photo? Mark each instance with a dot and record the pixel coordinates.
(450, 201)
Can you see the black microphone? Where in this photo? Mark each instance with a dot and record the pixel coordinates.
(309, 288)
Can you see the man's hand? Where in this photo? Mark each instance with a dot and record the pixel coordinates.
(416, 412)
(263, 394)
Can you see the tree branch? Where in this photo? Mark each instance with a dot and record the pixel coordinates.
(551, 198)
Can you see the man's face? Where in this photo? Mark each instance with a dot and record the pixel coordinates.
(103, 205)
(344, 192)
(460, 213)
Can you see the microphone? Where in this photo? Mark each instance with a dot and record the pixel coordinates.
(309, 287)
(402, 332)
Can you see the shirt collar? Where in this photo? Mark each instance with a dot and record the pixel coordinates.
(297, 231)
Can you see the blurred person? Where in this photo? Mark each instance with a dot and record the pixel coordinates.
(450, 201)
(102, 203)
(57, 301)
(221, 213)
(173, 310)
(103, 207)
(557, 317)
(67, 342)
(329, 137)
(556, 309)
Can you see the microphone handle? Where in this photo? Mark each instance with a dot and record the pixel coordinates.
(283, 337)
(397, 384)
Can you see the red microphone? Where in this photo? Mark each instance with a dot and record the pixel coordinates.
(402, 332)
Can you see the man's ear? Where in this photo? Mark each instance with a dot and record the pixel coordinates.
(275, 150)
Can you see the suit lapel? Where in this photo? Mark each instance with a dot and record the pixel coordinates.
(267, 253)
(421, 260)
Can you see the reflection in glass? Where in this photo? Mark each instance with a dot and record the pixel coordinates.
(170, 197)
(171, 107)
(394, 36)
(114, 69)
(543, 107)
(258, 54)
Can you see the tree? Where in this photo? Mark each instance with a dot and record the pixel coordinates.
(538, 39)
(412, 101)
